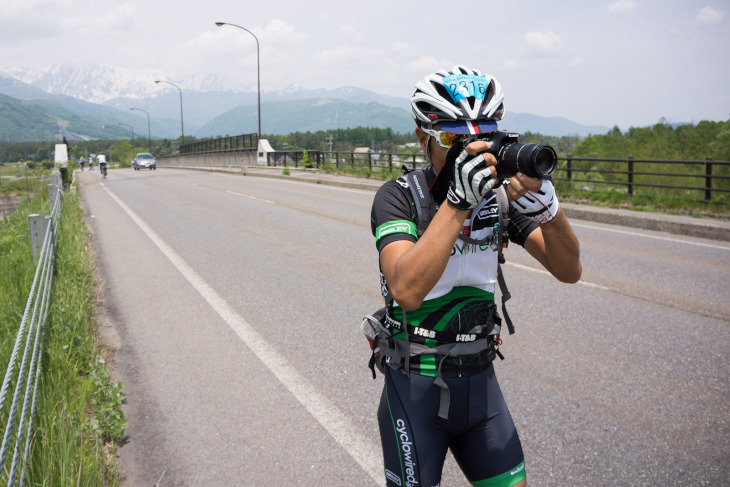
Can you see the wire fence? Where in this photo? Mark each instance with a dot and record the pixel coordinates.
(24, 373)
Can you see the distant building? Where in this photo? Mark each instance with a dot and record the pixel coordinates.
(263, 151)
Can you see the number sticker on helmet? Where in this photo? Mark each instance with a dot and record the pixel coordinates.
(465, 85)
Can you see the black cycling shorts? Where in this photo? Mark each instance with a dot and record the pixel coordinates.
(479, 431)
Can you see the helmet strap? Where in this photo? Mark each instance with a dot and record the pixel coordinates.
(428, 149)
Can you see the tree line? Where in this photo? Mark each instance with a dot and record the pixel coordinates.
(661, 141)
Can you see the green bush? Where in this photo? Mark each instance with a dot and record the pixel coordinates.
(306, 161)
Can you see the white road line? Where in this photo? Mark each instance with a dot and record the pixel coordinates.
(636, 234)
(363, 451)
(322, 185)
(546, 273)
(331, 187)
(251, 197)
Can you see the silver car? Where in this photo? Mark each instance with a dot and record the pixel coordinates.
(144, 159)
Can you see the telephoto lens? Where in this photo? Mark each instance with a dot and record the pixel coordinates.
(535, 160)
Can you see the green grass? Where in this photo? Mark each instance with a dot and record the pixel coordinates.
(681, 202)
(15, 180)
(362, 171)
(78, 424)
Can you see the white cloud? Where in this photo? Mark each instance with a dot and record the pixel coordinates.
(575, 62)
(424, 65)
(10, 9)
(351, 33)
(544, 42)
(402, 47)
(622, 6)
(120, 17)
(228, 38)
(280, 34)
(347, 55)
(709, 15)
(510, 65)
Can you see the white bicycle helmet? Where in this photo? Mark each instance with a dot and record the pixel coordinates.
(462, 101)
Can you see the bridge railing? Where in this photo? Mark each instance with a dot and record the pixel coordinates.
(704, 180)
(697, 180)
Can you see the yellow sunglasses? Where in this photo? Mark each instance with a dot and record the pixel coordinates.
(443, 138)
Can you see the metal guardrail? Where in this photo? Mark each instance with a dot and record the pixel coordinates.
(43, 235)
(716, 186)
(610, 172)
(631, 177)
(235, 142)
(374, 161)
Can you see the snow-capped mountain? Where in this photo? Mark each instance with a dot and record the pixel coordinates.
(206, 96)
(99, 84)
(129, 92)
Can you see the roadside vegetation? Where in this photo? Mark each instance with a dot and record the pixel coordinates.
(78, 423)
(21, 179)
(700, 142)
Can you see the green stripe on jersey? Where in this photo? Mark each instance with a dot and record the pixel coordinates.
(507, 479)
(463, 293)
(398, 226)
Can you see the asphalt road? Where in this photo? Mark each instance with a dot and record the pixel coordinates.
(231, 307)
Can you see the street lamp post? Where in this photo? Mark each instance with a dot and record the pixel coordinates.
(182, 127)
(258, 65)
(149, 133)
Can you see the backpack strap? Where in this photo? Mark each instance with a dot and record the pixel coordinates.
(503, 201)
(425, 207)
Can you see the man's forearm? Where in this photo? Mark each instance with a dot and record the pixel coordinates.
(562, 248)
(416, 271)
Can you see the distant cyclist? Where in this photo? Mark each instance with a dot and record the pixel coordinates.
(441, 392)
(101, 159)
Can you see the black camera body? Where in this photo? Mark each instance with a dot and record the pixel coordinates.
(535, 160)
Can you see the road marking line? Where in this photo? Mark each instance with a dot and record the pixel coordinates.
(635, 234)
(251, 197)
(544, 272)
(363, 451)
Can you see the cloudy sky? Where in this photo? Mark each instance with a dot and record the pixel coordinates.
(612, 62)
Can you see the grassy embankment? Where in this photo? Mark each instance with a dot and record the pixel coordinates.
(78, 423)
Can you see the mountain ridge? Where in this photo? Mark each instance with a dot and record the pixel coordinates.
(95, 102)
